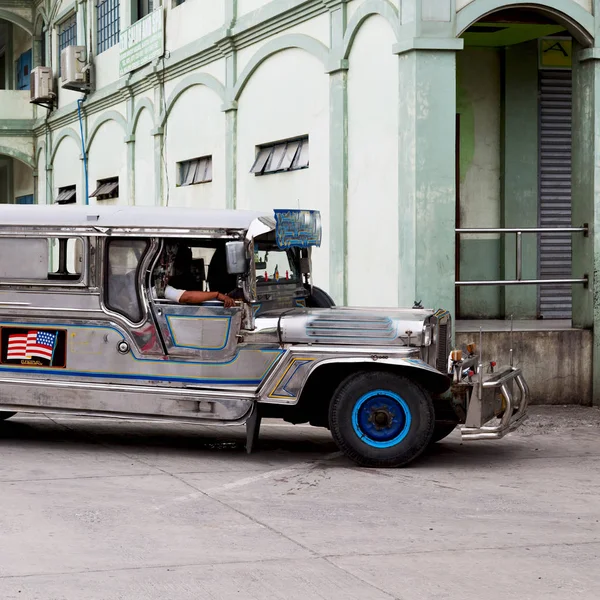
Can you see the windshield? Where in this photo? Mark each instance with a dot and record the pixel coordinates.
(274, 266)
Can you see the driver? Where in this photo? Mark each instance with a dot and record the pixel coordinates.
(176, 285)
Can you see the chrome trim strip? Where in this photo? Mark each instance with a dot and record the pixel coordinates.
(19, 304)
(124, 415)
(234, 393)
(47, 309)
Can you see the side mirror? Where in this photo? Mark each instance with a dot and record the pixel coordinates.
(237, 261)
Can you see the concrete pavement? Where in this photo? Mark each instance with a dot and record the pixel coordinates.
(108, 509)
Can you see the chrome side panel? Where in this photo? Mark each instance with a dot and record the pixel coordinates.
(199, 332)
(93, 354)
(194, 406)
(285, 384)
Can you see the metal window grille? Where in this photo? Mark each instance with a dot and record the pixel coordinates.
(197, 170)
(290, 155)
(107, 24)
(67, 34)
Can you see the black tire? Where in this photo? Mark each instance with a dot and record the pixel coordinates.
(387, 429)
(441, 430)
(4, 414)
(319, 299)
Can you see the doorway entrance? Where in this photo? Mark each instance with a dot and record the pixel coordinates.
(514, 105)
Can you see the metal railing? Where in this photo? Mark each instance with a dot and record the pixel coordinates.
(519, 255)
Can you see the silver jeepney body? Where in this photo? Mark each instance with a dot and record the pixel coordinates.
(201, 364)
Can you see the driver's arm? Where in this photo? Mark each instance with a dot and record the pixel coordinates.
(190, 297)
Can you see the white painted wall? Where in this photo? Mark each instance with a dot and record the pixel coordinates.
(246, 6)
(22, 179)
(20, 143)
(14, 104)
(192, 20)
(280, 102)
(195, 128)
(215, 69)
(107, 66)
(107, 156)
(373, 167)
(144, 161)
(318, 28)
(67, 168)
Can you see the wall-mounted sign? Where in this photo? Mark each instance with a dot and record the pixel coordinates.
(556, 53)
(142, 42)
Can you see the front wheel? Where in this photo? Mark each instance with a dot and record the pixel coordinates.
(380, 419)
(4, 414)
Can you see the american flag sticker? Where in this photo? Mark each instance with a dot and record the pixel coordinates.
(33, 347)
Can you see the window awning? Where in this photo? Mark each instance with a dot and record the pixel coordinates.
(106, 188)
(66, 195)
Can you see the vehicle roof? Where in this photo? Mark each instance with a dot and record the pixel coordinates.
(54, 215)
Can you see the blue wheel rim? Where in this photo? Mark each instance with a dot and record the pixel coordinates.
(381, 418)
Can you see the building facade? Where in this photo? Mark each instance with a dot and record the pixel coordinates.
(400, 120)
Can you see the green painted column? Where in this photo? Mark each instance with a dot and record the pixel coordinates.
(231, 155)
(338, 155)
(49, 180)
(338, 186)
(81, 199)
(586, 201)
(427, 153)
(130, 144)
(158, 134)
(520, 185)
(427, 172)
(230, 108)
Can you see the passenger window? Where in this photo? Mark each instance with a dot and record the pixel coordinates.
(65, 258)
(206, 270)
(44, 259)
(122, 294)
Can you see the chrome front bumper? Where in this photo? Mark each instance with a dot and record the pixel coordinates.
(502, 395)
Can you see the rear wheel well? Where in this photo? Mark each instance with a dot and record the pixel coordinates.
(313, 404)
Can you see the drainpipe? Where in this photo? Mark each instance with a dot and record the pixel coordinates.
(85, 169)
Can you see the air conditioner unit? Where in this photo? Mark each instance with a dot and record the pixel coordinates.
(41, 85)
(73, 68)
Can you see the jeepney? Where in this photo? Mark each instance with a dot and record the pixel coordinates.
(85, 329)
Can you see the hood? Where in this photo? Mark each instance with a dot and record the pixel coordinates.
(355, 326)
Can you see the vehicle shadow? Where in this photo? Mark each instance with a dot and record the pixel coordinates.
(168, 437)
(277, 444)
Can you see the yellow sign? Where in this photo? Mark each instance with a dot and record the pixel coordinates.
(556, 53)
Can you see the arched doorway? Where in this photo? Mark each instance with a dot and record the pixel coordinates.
(514, 161)
(16, 181)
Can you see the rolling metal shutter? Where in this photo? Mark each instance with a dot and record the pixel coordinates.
(554, 250)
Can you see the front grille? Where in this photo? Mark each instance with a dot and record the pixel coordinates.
(442, 348)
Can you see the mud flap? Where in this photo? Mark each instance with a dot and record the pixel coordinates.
(253, 428)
